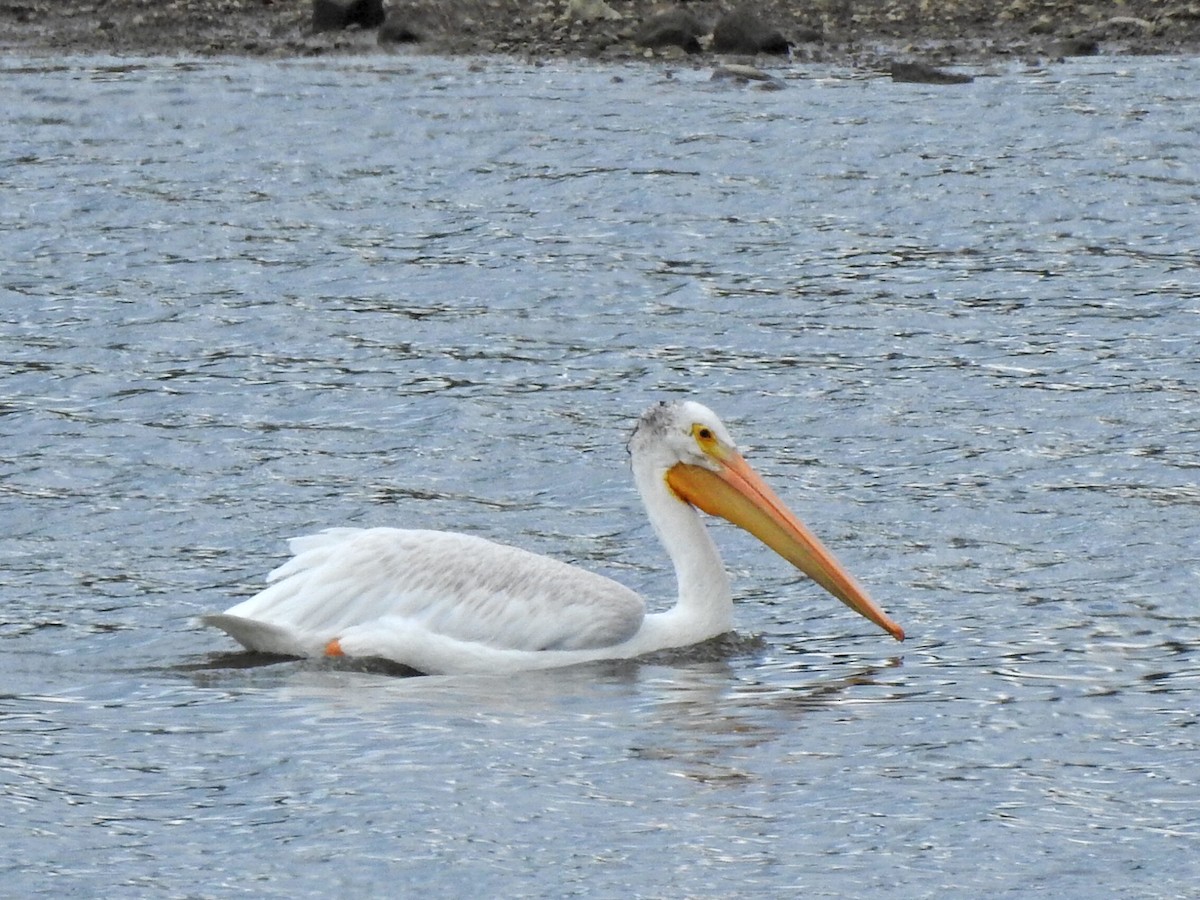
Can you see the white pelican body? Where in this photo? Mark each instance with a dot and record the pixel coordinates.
(446, 603)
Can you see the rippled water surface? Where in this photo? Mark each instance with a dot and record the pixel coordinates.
(957, 328)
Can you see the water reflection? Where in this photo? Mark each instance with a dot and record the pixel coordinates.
(697, 713)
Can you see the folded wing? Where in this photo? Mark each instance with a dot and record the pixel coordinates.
(462, 588)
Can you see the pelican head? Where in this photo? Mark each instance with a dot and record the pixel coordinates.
(686, 445)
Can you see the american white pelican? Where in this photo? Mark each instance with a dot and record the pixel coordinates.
(446, 603)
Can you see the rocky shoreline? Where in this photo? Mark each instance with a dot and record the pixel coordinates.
(855, 32)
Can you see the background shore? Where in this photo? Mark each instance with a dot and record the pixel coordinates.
(851, 31)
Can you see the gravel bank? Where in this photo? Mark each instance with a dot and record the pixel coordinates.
(850, 31)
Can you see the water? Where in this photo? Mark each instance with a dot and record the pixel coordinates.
(955, 327)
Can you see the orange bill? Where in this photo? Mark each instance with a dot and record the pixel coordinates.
(738, 494)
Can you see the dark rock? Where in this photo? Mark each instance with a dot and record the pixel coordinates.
(742, 31)
(401, 29)
(740, 73)
(1077, 46)
(923, 73)
(745, 75)
(328, 15)
(673, 28)
(808, 35)
(332, 15)
(366, 13)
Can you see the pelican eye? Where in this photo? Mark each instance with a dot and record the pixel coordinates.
(704, 436)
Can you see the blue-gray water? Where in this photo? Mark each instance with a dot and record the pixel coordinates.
(956, 327)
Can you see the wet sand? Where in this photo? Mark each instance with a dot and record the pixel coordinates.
(855, 32)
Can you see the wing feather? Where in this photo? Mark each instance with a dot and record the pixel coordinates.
(460, 587)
